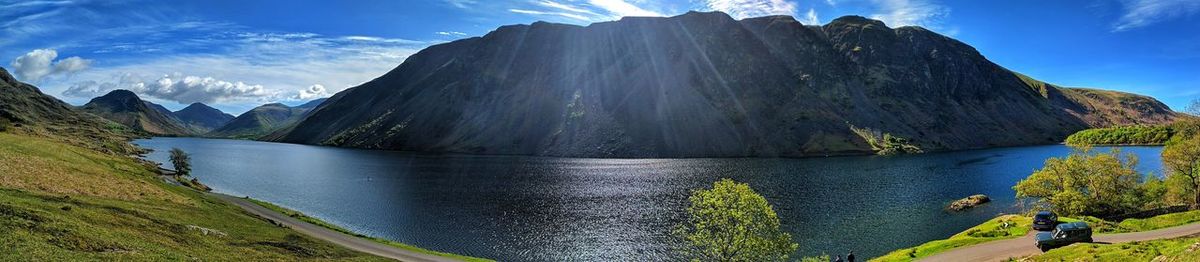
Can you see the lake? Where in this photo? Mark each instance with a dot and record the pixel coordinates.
(514, 208)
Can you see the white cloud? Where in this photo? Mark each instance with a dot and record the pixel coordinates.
(752, 8)
(565, 7)
(312, 92)
(451, 33)
(562, 14)
(461, 3)
(39, 63)
(177, 87)
(250, 69)
(810, 18)
(1139, 13)
(621, 8)
(896, 13)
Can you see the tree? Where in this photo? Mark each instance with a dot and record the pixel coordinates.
(1087, 183)
(1194, 108)
(181, 161)
(730, 222)
(1182, 161)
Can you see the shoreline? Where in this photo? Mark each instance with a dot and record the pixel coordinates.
(464, 154)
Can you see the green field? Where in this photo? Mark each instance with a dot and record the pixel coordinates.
(60, 202)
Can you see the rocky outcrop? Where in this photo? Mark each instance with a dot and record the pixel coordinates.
(968, 202)
(706, 85)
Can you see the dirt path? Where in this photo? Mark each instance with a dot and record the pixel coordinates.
(338, 238)
(1024, 246)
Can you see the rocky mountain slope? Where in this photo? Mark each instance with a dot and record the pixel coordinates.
(201, 118)
(126, 108)
(26, 110)
(263, 120)
(706, 85)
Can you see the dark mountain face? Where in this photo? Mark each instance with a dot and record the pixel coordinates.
(706, 85)
(202, 118)
(126, 108)
(264, 120)
(27, 110)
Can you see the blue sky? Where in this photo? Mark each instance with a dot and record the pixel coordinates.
(235, 55)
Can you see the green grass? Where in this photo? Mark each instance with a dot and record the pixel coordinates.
(60, 202)
(1003, 227)
(1138, 225)
(315, 221)
(992, 230)
(1179, 249)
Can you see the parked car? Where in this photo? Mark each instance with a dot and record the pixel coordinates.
(1063, 235)
(1045, 221)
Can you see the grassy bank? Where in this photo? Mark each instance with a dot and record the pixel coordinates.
(1179, 249)
(995, 230)
(315, 221)
(1137, 225)
(60, 202)
(1003, 227)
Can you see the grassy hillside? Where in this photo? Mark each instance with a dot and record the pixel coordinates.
(60, 202)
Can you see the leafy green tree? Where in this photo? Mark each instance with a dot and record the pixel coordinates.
(730, 222)
(1087, 183)
(181, 161)
(1182, 161)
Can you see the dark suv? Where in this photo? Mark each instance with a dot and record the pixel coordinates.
(1063, 235)
(1045, 221)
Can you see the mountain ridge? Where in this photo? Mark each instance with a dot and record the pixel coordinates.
(202, 118)
(126, 108)
(263, 120)
(706, 85)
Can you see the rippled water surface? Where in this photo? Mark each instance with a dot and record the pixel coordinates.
(513, 208)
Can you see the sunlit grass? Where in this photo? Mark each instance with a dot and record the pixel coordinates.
(39, 164)
(1003, 227)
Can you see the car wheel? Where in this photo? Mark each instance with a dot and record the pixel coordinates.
(1044, 249)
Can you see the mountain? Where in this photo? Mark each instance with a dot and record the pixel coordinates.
(126, 108)
(202, 118)
(706, 85)
(263, 120)
(26, 110)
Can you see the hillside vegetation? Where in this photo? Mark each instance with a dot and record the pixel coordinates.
(1137, 134)
(63, 203)
(71, 191)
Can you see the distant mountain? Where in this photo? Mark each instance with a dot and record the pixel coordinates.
(126, 108)
(28, 111)
(202, 118)
(706, 85)
(264, 120)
